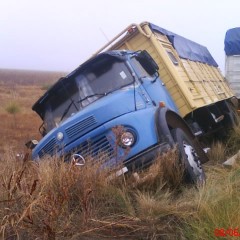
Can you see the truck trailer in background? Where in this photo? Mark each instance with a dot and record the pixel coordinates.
(232, 59)
(189, 73)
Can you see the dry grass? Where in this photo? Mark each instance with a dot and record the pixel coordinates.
(55, 200)
(62, 201)
(217, 153)
(218, 204)
(49, 199)
(233, 143)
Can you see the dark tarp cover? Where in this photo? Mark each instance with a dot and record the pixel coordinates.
(232, 42)
(186, 48)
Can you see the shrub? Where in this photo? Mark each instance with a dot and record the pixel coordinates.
(13, 108)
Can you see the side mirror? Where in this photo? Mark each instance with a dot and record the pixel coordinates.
(147, 62)
(31, 144)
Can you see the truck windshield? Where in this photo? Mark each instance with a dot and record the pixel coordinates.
(85, 86)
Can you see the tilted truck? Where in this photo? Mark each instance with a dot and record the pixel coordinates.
(232, 60)
(115, 108)
(189, 73)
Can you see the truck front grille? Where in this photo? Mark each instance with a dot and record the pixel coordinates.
(97, 149)
(81, 126)
(48, 148)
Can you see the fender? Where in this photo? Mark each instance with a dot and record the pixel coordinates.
(166, 120)
(162, 128)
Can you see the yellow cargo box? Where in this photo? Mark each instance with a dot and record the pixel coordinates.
(188, 70)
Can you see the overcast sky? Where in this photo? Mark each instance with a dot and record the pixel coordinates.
(61, 34)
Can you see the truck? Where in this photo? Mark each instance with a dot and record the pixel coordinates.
(232, 59)
(114, 109)
(189, 72)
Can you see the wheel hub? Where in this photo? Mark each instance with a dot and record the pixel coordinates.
(193, 159)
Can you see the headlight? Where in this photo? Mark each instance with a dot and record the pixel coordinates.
(127, 139)
(59, 136)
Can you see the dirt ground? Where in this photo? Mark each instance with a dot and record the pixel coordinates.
(19, 90)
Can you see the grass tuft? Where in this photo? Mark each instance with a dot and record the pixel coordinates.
(13, 108)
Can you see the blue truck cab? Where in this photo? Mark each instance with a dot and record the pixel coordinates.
(115, 108)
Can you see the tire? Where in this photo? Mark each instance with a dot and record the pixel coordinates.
(194, 172)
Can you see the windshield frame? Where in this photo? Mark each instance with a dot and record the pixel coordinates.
(126, 78)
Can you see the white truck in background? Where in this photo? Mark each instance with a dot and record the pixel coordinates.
(232, 60)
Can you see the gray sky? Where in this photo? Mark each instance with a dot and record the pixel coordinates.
(61, 34)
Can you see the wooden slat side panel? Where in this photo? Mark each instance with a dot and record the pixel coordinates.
(193, 83)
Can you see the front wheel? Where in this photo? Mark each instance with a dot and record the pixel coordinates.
(194, 172)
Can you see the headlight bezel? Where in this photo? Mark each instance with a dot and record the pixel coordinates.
(127, 139)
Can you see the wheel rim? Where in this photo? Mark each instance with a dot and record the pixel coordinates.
(193, 160)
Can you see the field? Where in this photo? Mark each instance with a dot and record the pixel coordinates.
(19, 90)
(53, 200)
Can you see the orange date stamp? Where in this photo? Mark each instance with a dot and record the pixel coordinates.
(232, 232)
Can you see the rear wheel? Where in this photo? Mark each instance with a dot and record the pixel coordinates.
(194, 172)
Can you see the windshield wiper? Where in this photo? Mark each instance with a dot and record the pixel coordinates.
(89, 96)
(72, 102)
(67, 109)
(93, 95)
(102, 94)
